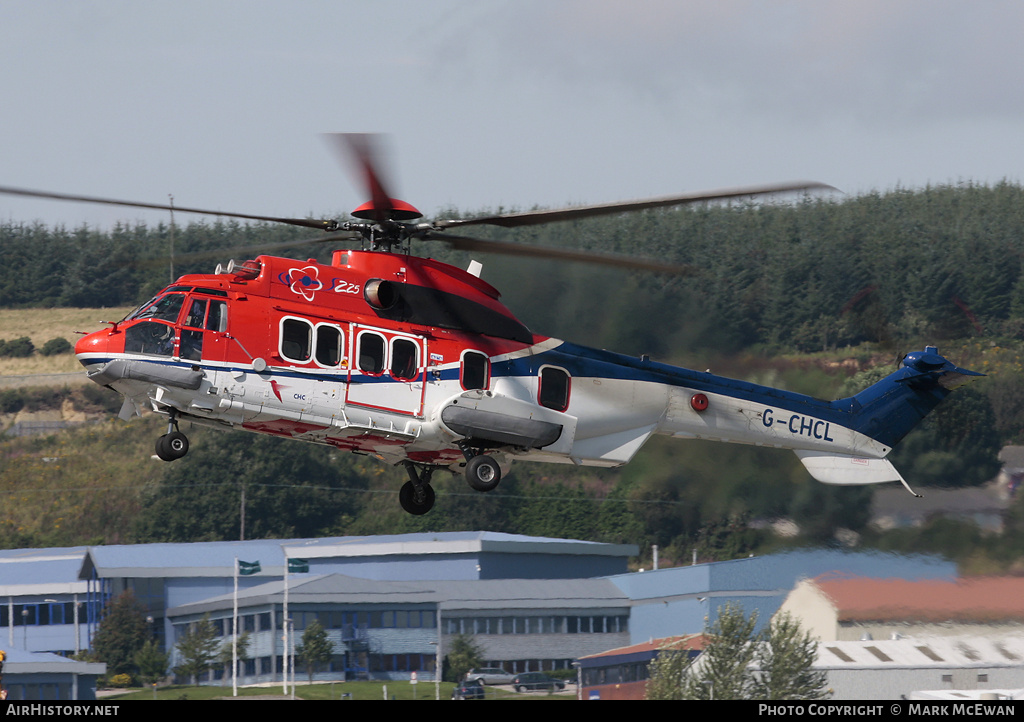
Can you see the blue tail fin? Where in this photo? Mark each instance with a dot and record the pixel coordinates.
(889, 409)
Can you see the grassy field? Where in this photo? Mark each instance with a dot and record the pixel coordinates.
(43, 324)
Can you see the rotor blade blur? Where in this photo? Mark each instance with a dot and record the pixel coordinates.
(530, 218)
(508, 248)
(320, 225)
(364, 150)
(253, 251)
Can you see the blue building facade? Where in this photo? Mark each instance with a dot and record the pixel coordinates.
(388, 602)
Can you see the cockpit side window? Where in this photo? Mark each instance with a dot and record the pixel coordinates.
(217, 320)
(150, 338)
(196, 313)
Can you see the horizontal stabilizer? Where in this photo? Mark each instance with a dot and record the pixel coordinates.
(846, 470)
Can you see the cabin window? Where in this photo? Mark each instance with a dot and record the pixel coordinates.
(328, 345)
(404, 358)
(296, 340)
(554, 388)
(475, 372)
(371, 353)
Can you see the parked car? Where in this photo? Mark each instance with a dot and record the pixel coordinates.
(470, 689)
(490, 675)
(535, 680)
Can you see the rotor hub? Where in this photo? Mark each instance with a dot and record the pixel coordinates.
(395, 210)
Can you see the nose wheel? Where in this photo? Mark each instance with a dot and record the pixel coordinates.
(416, 495)
(172, 445)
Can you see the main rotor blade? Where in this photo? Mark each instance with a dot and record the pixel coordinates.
(508, 248)
(364, 150)
(253, 251)
(320, 225)
(530, 218)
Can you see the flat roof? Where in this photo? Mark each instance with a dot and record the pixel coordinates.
(454, 596)
(217, 559)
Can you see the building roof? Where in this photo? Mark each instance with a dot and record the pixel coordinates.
(216, 559)
(972, 600)
(19, 661)
(694, 642)
(452, 595)
(42, 571)
(470, 542)
(922, 652)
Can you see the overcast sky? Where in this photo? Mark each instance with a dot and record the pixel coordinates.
(498, 103)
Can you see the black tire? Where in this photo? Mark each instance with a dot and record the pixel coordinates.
(407, 498)
(172, 446)
(483, 472)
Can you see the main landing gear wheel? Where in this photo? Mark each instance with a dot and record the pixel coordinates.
(483, 472)
(416, 495)
(172, 446)
(416, 501)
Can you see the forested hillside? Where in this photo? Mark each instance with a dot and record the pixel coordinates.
(943, 262)
(818, 296)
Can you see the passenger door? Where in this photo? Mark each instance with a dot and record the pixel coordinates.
(387, 370)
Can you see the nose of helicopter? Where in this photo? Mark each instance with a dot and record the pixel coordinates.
(92, 348)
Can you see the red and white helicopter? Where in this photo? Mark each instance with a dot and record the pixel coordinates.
(418, 363)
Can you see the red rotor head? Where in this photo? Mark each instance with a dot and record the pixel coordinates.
(394, 210)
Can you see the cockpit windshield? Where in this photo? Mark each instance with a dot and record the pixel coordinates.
(161, 308)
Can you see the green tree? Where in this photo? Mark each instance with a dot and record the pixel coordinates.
(668, 671)
(121, 635)
(722, 671)
(785, 663)
(198, 649)
(463, 655)
(227, 654)
(737, 663)
(151, 662)
(291, 490)
(315, 648)
(956, 445)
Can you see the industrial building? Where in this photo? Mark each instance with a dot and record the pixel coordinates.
(389, 603)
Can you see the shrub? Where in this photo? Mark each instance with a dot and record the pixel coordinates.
(19, 347)
(120, 681)
(56, 346)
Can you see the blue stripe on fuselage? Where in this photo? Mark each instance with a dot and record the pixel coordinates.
(581, 361)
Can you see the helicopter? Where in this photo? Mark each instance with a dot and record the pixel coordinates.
(418, 363)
